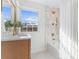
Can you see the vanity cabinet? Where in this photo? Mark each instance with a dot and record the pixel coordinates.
(17, 49)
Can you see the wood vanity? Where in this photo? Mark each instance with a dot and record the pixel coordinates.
(16, 49)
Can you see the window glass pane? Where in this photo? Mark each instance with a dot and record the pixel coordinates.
(29, 19)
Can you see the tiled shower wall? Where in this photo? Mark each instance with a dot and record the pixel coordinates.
(52, 31)
(52, 27)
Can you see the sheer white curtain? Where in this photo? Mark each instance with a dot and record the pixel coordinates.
(68, 31)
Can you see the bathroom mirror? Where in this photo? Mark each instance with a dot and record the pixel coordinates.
(7, 16)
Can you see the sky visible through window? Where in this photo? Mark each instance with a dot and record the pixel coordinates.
(26, 15)
(6, 12)
(29, 16)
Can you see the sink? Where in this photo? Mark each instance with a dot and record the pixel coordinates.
(22, 35)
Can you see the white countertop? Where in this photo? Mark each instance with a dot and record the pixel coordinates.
(10, 37)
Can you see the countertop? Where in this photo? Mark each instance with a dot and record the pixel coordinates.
(10, 37)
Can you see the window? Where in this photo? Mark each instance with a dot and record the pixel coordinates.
(29, 20)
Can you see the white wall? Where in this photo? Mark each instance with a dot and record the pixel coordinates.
(68, 30)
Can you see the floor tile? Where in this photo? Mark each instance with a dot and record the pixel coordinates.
(42, 55)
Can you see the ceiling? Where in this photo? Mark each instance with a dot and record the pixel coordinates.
(50, 3)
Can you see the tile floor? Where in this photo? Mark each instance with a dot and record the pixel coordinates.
(42, 55)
